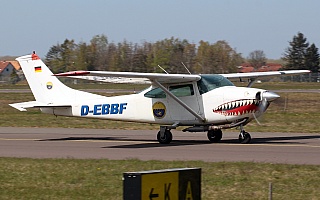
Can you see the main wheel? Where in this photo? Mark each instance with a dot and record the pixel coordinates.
(166, 139)
(244, 138)
(214, 135)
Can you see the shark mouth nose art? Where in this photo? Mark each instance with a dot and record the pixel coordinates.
(238, 107)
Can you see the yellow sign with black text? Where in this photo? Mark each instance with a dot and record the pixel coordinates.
(168, 184)
(160, 186)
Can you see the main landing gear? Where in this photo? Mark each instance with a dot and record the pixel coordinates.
(164, 136)
(214, 135)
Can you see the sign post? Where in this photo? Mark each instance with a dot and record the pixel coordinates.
(169, 184)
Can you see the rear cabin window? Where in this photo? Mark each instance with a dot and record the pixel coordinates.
(182, 90)
(177, 90)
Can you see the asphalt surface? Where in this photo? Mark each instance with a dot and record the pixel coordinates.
(292, 148)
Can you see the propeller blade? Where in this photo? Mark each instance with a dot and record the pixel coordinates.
(265, 99)
(254, 115)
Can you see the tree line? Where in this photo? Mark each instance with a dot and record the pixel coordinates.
(171, 54)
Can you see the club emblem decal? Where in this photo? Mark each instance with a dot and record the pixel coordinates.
(159, 110)
(49, 85)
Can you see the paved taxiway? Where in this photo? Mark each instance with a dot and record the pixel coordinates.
(293, 148)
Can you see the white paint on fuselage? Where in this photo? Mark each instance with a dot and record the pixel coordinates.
(136, 107)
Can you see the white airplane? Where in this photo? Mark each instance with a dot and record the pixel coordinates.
(202, 103)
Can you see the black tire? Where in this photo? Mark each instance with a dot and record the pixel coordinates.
(214, 135)
(166, 139)
(245, 139)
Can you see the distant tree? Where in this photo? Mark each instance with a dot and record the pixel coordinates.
(125, 56)
(98, 52)
(170, 53)
(68, 55)
(226, 58)
(189, 56)
(162, 51)
(53, 58)
(204, 58)
(312, 59)
(62, 58)
(217, 58)
(82, 54)
(295, 54)
(257, 59)
(139, 59)
(14, 77)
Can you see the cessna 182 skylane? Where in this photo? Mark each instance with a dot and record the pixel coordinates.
(203, 103)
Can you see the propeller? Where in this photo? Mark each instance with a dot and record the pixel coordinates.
(264, 98)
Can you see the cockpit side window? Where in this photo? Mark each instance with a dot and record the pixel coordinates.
(155, 93)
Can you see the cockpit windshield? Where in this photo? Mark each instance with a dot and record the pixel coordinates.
(209, 82)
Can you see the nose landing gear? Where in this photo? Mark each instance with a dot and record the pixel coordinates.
(244, 137)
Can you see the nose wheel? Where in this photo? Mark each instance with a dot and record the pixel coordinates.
(244, 137)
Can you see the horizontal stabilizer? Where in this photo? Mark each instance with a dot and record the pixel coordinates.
(34, 104)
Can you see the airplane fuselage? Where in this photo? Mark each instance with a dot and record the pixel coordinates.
(219, 106)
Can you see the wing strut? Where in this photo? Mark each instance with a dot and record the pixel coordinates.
(251, 82)
(179, 101)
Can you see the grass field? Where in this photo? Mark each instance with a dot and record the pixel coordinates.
(101, 179)
(22, 178)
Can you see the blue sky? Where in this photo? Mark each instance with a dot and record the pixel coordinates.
(247, 25)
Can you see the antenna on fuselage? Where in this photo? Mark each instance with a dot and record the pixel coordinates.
(186, 67)
(163, 69)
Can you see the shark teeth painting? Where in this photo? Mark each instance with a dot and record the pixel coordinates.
(238, 107)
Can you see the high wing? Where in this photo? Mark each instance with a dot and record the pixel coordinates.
(145, 78)
(128, 77)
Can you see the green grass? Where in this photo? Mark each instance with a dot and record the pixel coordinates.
(102, 179)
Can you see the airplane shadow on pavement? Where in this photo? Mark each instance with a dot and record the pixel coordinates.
(146, 143)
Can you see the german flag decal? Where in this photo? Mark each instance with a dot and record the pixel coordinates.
(38, 69)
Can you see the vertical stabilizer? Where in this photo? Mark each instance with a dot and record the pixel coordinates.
(45, 87)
